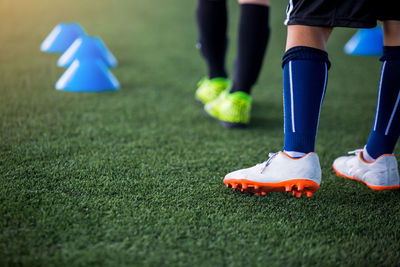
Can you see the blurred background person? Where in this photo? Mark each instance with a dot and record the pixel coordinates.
(227, 100)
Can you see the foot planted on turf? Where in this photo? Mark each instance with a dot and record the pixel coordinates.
(381, 174)
(209, 89)
(232, 110)
(281, 173)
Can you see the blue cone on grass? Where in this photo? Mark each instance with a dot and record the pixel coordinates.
(87, 48)
(61, 37)
(87, 76)
(366, 42)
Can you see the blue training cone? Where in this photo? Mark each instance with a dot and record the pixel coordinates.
(366, 42)
(87, 76)
(61, 37)
(87, 48)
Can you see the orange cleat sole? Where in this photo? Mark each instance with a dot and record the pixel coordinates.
(298, 187)
(373, 187)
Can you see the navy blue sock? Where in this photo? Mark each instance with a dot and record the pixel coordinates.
(305, 76)
(386, 128)
(252, 43)
(212, 21)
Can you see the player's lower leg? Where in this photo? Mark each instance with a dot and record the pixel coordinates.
(305, 81)
(386, 128)
(376, 165)
(212, 21)
(253, 36)
(234, 110)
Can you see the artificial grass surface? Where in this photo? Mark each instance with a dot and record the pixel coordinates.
(134, 177)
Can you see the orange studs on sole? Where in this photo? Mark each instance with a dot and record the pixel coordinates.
(298, 187)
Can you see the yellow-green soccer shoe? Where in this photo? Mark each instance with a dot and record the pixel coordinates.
(232, 110)
(209, 89)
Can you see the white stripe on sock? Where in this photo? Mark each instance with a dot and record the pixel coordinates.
(323, 94)
(379, 95)
(291, 96)
(284, 113)
(393, 112)
(288, 12)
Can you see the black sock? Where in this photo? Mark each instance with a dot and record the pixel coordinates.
(252, 43)
(212, 21)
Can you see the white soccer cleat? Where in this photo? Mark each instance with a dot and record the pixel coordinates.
(280, 173)
(381, 174)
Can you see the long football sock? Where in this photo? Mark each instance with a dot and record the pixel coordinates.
(212, 21)
(386, 128)
(305, 76)
(252, 43)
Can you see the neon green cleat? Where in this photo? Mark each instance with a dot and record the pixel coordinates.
(232, 110)
(208, 90)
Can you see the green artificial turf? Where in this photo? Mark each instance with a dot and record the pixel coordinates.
(134, 177)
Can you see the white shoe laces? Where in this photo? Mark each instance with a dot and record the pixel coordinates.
(355, 152)
(266, 163)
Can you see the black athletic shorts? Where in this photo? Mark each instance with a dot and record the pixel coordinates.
(341, 13)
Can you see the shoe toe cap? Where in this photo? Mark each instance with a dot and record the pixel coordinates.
(340, 164)
(208, 107)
